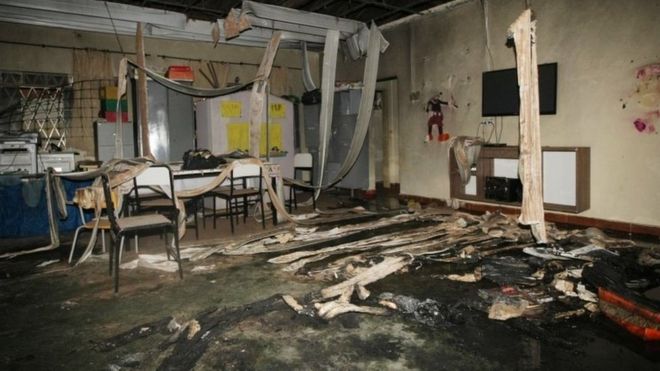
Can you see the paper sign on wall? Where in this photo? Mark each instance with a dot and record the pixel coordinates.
(275, 137)
(277, 110)
(230, 108)
(238, 136)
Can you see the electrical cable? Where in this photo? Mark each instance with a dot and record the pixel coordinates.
(13, 160)
(113, 27)
(164, 56)
(482, 127)
(498, 137)
(484, 7)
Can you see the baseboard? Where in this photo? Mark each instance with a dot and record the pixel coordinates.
(559, 218)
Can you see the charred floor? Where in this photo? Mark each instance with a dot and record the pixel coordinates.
(451, 304)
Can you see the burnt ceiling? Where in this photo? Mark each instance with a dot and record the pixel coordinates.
(379, 11)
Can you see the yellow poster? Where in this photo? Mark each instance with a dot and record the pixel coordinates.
(275, 136)
(277, 110)
(230, 108)
(238, 136)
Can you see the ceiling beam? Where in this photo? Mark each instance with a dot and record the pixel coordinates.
(351, 10)
(382, 4)
(191, 3)
(320, 5)
(392, 12)
(295, 4)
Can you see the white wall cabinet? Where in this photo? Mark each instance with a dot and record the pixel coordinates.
(566, 176)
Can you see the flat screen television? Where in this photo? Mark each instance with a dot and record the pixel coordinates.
(500, 97)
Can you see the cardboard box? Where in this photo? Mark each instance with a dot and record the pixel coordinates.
(108, 92)
(111, 105)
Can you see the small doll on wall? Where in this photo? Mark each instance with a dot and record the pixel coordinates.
(435, 117)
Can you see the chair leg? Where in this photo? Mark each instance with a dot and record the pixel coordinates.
(214, 211)
(112, 251)
(237, 211)
(314, 200)
(168, 243)
(245, 209)
(121, 249)
(111, 255)
(176, 246)
(203, 211)
(195, 204)
(73, 245)
(231, 215)
(263, 214)
(290, 198)
(103, 241)
(116, 253)
(295, 199)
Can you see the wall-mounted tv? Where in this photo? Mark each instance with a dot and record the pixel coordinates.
(500, 97)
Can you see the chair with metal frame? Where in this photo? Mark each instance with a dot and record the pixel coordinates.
(154, 176)
(302, 163)
(241, 188)
(103, 225)
(141, 202)
(224, 187)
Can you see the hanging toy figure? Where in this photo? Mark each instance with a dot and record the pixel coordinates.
(435, 117)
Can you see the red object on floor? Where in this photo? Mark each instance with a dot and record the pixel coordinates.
(638, 319)
(182, 73)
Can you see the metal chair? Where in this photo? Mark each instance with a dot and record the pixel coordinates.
(302, 163)
(103, 225)
(142, 200)
(241, 188)
(154, 176)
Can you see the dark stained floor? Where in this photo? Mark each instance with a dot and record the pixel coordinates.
(55, 318)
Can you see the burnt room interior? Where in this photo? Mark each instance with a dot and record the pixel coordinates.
(337, 184)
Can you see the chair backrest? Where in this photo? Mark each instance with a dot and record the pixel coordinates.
(155, 176)
(109, 203)
(244, 172)
(302, 160)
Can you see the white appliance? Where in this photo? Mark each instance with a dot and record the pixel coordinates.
(104, 140)
(18, 153)
(61, 162)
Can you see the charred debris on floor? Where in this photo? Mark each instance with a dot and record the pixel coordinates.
(516, 277)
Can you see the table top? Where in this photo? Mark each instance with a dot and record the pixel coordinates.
(197, 172)
(273, 171)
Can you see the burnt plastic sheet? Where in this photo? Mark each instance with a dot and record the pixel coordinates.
(507, 271)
